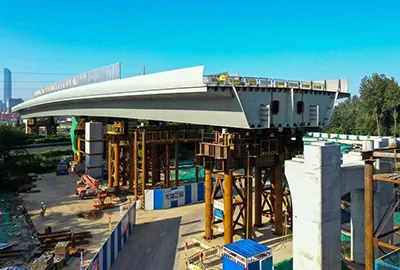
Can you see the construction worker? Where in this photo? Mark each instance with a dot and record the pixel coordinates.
(42, 210)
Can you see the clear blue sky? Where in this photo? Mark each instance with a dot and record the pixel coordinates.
(301, 40)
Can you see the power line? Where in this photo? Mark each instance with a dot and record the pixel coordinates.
(29, 81)
(41, 73)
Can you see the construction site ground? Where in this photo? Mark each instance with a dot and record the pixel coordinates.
(159, 238)
(58, 193)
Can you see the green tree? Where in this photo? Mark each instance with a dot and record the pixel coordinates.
(372, 95)
(10, 139)
(343, 119)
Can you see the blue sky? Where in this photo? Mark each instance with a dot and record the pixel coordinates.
(302, 40)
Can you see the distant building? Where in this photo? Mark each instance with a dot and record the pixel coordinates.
(7, 85)
(11, 102)
(2, 106)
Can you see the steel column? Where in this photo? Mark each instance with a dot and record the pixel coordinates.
(369, 213)
(228, 207)
(79, 150)
(155, 165)
(208, 203)
(145, 174)
(135, 165)
(277, 195)
(249, 205)
(167, 174)
(196, 147)
(257, 198)
(176, 161)
(109, 163)
(116, 166)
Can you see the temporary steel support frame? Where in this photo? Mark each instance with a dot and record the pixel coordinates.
(120, 152)
(34, 125)
(372, 237)
(155, 144)
(228, 151)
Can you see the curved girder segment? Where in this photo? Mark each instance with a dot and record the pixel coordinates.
(201, 109)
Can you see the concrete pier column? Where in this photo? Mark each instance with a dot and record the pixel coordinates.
(315, 191)
(357, 226)
(357, 221)
(94, 149)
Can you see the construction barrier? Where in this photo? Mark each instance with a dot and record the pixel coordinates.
(158, 199)
(388, 261)
(115, 242)
(346, 136)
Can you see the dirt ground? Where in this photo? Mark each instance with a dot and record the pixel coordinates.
(58, 193)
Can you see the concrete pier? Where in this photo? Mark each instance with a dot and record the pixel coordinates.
(317, 184)
(94, 149)
(315, 189)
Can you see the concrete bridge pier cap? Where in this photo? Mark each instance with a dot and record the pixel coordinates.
(315, 189)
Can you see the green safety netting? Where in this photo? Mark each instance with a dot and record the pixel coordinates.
(345, 238)
(72, 134)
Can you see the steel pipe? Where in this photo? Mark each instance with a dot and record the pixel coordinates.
(208, 203)
(369, 213)
(228, 207)
(257, 198)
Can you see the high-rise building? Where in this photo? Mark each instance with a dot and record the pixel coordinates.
(7, 85)
(11, 102)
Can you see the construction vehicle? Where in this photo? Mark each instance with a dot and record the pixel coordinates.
(88, 186)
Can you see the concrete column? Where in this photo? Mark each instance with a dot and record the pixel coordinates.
(315, 190)
(94, 149)
(357, 226)
(357, 221)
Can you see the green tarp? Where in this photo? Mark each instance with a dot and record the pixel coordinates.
(72, 134)
(288, 265)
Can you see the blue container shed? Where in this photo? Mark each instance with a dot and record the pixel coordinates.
(246, 254)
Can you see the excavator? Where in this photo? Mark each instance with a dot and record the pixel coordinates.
(88, 186)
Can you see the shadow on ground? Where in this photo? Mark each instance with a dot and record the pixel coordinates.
(150, 246)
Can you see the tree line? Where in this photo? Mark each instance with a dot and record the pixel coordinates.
(374, 112)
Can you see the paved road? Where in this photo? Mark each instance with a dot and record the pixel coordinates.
(46, 148)
(158, 240)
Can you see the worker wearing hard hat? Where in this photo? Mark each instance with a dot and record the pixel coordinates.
(42, 210)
